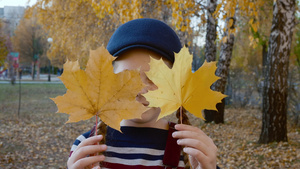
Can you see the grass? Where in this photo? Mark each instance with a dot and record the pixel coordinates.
(34, 97)
(33, 91)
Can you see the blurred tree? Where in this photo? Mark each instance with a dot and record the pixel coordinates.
(294, 78)
(3, 47)
(74, 28)
(296, 49)
(259, 39)
(6, 32)
(276, 82)
(183, 11)
(30, 41)
(251, 52)
(226, 11)
(78, 26)
(176, 13)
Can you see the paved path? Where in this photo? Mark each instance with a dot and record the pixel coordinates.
(26, 79)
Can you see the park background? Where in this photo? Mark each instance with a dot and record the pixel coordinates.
(240, 34)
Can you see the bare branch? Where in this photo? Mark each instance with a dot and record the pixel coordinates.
(203, 6)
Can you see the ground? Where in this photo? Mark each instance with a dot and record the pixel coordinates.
(37, 137)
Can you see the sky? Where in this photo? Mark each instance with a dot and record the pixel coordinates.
(16, 3)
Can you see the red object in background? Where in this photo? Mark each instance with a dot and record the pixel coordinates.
(15, 65)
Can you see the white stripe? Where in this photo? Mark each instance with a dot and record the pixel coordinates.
(81, 138)
(134, 161)
(181, 164)
(126, 150)
(135, 150)
(73, 148)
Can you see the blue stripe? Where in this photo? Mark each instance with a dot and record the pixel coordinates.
(139, 137)
(135, 144)
(86, 135)
(77, 142)
(134, 156)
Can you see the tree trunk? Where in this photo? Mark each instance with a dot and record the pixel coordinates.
(222, 71)
(38, 70)
(264, 57)
(275, 84)
(211, 32)
(210, 45)
(32, 70)
(12, 75)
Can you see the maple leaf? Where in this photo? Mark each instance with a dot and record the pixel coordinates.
(97, 90)
(178, 86)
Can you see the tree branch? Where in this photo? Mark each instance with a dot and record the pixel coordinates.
(200, 4)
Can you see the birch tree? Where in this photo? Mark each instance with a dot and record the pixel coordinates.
(275, 89)
(227, 43)
(211, 31)
(227, 10)
(210, 43)
(223, 66)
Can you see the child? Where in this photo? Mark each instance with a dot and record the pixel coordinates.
(145, 142)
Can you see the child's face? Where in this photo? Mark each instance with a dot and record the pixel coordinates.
(138, 58)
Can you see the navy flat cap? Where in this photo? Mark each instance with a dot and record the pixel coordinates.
(146, 33)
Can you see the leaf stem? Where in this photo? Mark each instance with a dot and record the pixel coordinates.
(180, 114)
(95, 134)
(96, 126)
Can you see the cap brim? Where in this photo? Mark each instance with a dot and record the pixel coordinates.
(163, 54)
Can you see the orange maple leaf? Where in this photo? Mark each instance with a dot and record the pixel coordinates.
(97, 90)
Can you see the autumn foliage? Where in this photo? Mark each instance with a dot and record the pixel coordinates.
(3, 48)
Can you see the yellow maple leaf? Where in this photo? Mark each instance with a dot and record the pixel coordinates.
(97, 90)
(180, 87)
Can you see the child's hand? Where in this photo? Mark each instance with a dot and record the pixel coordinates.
(80, 158)
(200, 148)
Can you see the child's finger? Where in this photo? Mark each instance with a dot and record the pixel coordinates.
(202, 160)
(85, 148)
(192, 135)
(84, 162)
(90, 141)
(197, 155)
(82, 152)
(186, 127)
(186, 131)
(196, 144)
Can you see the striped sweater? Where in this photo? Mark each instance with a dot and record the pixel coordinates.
(134, 148)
